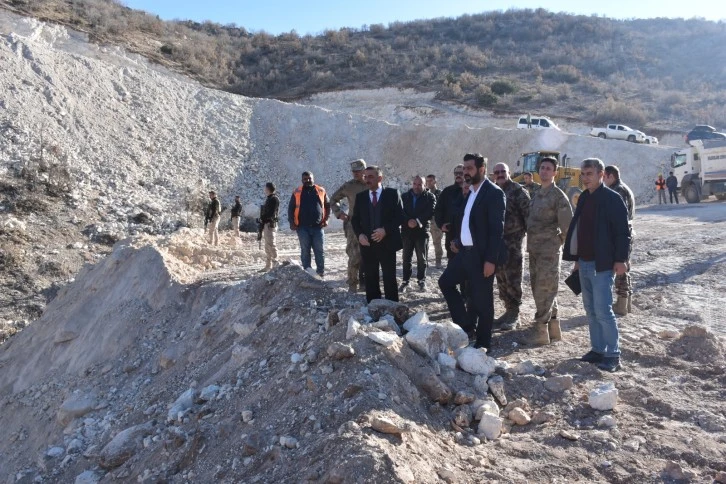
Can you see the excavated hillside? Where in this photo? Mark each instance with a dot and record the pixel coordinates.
(146, 355)
(97, 144)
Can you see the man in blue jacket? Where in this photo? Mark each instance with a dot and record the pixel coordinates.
(598, 240)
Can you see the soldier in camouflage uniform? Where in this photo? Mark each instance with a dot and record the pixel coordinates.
(509, 275)
(349, 190)
(529, 184)
(549, 218)
(436, 233)
(623, 283)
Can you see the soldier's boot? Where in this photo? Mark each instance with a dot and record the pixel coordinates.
(630, 305)
(554, 330)
(621, 306)
(539, 335)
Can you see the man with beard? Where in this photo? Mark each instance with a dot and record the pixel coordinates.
(480, 248)
(444, 215)
(308, 213)
(377, 219)
(509, 275)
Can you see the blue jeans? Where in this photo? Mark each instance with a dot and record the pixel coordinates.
(597, 297)
(312, 237)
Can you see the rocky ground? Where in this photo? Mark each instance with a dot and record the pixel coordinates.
(154, 357)
(172, 361)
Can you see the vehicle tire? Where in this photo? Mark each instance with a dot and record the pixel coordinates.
(631, 138)
(602, 135)
(690, 192)
(573, 195)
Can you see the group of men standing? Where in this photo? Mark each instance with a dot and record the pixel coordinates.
(483, 224)
(267, 221)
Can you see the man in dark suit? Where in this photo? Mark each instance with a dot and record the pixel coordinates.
(418, 208)
(479, 248)
(377, 219)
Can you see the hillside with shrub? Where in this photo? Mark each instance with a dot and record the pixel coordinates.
(660, 73)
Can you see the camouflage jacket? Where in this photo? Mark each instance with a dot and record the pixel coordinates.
(349, 190)
(627, 194)
(515, 218)
(531, 189)
(549, 218)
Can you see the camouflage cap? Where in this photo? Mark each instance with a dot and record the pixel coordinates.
(358, 165)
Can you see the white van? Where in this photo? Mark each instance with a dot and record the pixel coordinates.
(537, 122)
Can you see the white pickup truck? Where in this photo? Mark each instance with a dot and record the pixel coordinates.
(619, 131)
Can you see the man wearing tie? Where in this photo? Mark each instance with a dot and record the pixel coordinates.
(479, 247)
(377, 217)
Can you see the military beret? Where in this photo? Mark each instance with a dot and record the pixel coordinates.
(358, 165)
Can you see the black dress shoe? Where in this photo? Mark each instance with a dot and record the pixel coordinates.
(592, 357)
(610, 363)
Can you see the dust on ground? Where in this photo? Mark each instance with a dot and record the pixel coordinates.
(169, 360)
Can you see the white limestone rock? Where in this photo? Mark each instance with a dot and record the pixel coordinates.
(383, 338)
(603, 397)
(415, 321)
(490, 426)
(519, 416)
(427, 339)
(353, 329)
(476, 361)
(480, 407)
(496, 387)
(181, 405)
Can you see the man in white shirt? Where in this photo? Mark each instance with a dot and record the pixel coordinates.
(479, 248)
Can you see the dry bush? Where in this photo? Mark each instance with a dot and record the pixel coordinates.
(631, 113)
(597, 55)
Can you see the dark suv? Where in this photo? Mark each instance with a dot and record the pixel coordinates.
(704, 132)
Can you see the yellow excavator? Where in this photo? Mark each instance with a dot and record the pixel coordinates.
(568, 179)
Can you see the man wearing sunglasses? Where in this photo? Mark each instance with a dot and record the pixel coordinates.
(509, 274)
(445, 208)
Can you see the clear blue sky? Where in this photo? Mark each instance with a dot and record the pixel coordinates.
(314, 16)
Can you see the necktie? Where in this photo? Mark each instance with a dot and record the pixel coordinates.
(375, 198)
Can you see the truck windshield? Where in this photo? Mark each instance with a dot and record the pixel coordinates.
(678, 159)
(530, 162)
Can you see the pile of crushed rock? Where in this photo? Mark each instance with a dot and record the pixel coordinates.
(141, 371)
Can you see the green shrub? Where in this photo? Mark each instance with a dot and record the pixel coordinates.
(503, 87)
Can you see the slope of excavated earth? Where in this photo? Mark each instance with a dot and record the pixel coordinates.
(172, 361)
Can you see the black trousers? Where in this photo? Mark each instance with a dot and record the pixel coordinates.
(448, 237)
(419, 242)
(374, 257)
(468, 267)
(673, 193)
